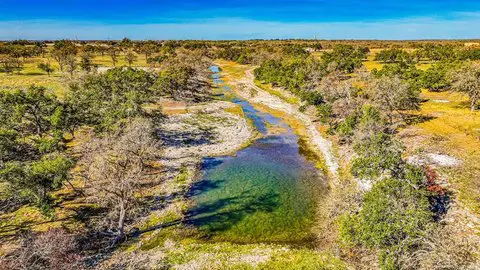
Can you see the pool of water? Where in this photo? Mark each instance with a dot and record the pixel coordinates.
(268, 192)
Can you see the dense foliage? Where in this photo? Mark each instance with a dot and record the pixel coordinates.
(31, 143)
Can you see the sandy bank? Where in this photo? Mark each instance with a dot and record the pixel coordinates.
(207, 130)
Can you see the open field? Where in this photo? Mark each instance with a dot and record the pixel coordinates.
(452, 129)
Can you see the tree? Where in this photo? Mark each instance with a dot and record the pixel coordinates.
(113, 52)
(345, 58)
(147, 49)
(176, 82)
(392, 95)
(117, 168)
(9, 64)
(101, 100)
(31, 140)
(40, 48)
(71, 62)
(378, 155)
(35, 180)
(126, 43)
(31, 110)
(130, 57)
(46, 67)
(63, 51)
(395, 218)
(407, 72)
(435, 77)
(467, 80)
(394, 55)
(86, 62)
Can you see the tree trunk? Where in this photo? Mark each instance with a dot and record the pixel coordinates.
(121, 220)
(473, 103)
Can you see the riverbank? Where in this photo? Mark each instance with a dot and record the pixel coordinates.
(213, 129)
(177, 236)
(242, 80)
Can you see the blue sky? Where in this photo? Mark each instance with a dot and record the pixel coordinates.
(239, 19)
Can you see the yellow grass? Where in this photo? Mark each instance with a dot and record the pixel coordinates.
(58, 82)
(454, 130)
(270, 89)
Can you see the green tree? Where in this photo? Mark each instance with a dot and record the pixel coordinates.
(378, 155)
(31, 109)
(395, 217)
(114, 51)
(63, 51)
(35, 180)
(174, 82)
(46, 67)
(392, 96)
(147, 49)
(101, 100)
(435, 77)
(86, 62)
(130, 57)
(394, 55)
(408, 73)
(345, 58)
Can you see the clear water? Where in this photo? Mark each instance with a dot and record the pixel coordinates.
(268, 192)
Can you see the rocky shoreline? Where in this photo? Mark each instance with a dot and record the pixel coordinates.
(205, 131)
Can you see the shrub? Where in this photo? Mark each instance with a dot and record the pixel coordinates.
(54, 249)
(394, 218)
(378, 155)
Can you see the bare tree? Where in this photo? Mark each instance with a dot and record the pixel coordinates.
(467, 80)
(118, 166)
(392, 96)
(54, 249)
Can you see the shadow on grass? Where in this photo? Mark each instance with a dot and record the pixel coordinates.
(34, 73)
(413, 119)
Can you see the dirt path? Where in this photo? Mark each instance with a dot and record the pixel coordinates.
(315, 138)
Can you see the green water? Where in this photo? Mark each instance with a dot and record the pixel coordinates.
(268, 192)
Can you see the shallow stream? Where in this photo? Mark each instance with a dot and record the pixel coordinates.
(268, 192)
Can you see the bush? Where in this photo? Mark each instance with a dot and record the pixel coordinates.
(345, 58)
(54, 249)
(435, 77)
(393, 55)
(378, 155)
(394, 218)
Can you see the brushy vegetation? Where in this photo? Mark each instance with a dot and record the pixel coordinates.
(94, 96)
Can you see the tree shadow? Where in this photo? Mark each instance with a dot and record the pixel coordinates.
(205, 135)
(203, 186)
(440, 204)
(463, 105)
(209, 163)
(413, 119)
(34, 73)
(224, 213)
(12, 231)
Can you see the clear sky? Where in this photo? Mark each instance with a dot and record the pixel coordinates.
(239, 19)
